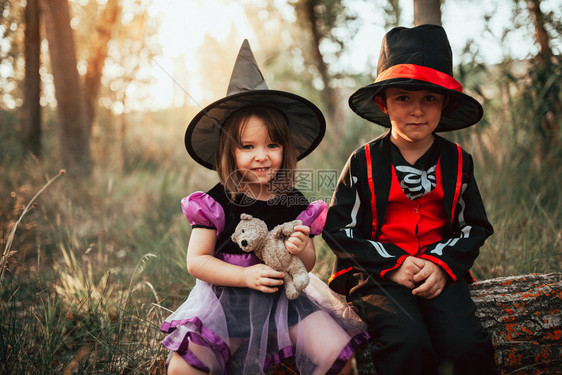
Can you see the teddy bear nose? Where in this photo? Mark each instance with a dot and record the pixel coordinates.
(244, 243)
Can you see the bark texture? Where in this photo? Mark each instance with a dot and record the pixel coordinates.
(524, 316)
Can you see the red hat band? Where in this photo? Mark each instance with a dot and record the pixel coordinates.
(417, 58)
(421, 73)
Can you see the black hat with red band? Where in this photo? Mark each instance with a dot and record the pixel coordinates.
(418, 58)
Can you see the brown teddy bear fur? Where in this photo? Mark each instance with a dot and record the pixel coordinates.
(251, 234)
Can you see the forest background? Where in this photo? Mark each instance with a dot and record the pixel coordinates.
(93, 240)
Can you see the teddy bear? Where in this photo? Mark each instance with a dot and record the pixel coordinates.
(251, 234)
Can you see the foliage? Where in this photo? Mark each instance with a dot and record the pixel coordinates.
(77, 306)
(515, 162)
(132, 46)
(8, 252)
(393, 12)
(11, 67)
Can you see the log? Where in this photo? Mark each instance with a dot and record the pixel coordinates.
(524, 316)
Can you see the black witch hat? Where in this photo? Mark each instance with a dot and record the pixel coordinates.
(247, 87)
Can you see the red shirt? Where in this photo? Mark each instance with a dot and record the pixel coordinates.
(413, 225)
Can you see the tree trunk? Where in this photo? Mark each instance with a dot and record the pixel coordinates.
(541, 35)
(427, 11)
(31, 122)
(329, 95)
(74, 132)
(550, 121)
(524, 316)
(98, 54)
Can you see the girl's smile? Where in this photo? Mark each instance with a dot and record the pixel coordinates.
(258, 158)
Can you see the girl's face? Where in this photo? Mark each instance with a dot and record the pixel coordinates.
(258, 158)
(414, 115)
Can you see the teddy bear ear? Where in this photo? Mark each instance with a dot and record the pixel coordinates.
(245, 217)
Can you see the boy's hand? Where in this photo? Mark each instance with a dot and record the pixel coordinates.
(297, 242)
(433, 279)
(404, 275)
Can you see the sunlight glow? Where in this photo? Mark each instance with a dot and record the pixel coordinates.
(185, 23)
(183, 28)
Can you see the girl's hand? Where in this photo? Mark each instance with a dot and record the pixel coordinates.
(298, 241)
(433, 279)
(405, 274)
(263, 278)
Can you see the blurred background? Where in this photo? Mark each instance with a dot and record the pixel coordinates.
(94, 259)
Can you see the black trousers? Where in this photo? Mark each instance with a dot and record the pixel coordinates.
(414, 335)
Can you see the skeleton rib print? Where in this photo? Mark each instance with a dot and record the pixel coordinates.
(416, 182)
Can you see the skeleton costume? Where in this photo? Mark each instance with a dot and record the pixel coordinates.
(353, 224)
(384, 210)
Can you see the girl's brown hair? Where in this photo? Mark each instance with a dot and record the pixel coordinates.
(278, 130)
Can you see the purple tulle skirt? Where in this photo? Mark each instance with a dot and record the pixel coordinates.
(227, 330)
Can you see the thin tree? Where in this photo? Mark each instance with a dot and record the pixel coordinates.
(546, 80)
(31, 122)
(541, 35)
(427, 11)
(77, 102)
(315, 17)
(98, 54)
(74, 132)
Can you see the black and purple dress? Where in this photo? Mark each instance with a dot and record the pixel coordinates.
(231, 330)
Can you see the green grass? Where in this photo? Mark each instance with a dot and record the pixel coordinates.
(90, 269)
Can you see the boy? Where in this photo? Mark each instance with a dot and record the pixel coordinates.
(407, 220)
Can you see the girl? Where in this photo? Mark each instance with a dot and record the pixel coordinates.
(237, 318)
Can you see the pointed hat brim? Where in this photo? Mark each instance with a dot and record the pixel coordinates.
(247, 87)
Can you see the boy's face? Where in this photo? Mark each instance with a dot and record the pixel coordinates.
(414, 115)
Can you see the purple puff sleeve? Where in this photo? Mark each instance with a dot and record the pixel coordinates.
(314, 216)
(203, 211)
